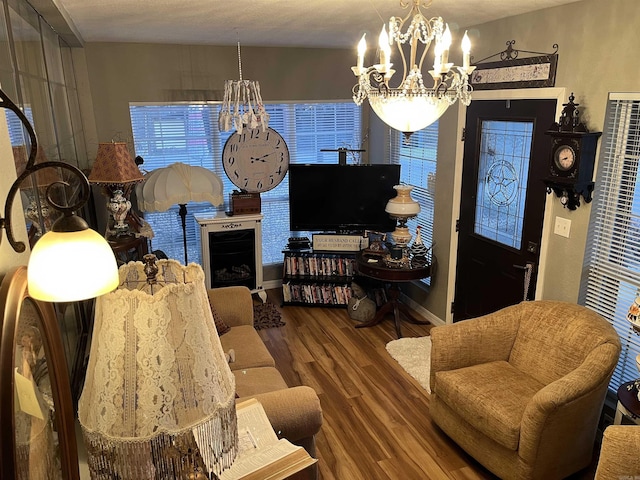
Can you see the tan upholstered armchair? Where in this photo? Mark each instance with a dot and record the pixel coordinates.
(522, 389)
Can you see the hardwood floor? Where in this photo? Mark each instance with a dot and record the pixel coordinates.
(376, 416)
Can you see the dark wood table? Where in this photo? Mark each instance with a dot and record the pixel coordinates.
(628, 403)
(128, 248)
(392, 277)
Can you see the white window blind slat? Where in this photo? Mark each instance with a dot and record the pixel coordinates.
(613, 245)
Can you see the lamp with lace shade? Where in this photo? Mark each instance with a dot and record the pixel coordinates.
(159, 396)
(115, 169)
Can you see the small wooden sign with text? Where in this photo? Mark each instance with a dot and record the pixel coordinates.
(339, 243)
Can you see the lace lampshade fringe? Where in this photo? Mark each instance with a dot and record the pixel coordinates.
(207, 449)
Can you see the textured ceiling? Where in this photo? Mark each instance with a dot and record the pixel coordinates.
(297, 23)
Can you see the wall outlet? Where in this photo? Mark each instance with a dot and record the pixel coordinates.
(563, 227)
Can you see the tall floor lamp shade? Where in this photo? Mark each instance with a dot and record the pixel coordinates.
(179, 184)
(159, 397)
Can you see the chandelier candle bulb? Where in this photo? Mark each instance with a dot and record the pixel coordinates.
(362, 48)
(466, 51)
(385, 49)
(446, 44)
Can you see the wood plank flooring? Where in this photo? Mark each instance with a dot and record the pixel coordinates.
(376, 416)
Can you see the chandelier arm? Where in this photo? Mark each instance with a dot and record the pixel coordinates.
(424, 54)
(405, 70)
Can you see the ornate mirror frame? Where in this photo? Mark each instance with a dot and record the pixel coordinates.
(13, 293)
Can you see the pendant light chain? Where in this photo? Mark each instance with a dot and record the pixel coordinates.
(239, 62)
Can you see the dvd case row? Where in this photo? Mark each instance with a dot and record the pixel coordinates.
(316, 293)
(318, 265)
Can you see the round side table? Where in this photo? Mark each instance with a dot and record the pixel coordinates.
(628, 404)
(391, 277)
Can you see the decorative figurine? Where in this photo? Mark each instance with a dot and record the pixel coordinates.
(418, 249)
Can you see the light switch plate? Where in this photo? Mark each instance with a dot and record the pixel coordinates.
(562, 227)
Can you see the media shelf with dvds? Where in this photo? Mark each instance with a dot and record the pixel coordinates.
(313, 278)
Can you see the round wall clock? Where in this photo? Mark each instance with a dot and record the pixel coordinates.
(564, 157)
(256, 160)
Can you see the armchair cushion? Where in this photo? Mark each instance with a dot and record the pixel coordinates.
(490, 397)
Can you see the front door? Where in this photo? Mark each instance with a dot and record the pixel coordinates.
(502, 206)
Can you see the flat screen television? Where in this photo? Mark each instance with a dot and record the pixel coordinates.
(341, 198)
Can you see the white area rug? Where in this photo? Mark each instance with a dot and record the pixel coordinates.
(414, 356)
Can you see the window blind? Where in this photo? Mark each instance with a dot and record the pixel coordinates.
(182, 132)
(17, 134)
(613, 243)
(417, 158)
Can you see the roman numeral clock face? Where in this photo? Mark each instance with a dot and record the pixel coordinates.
(256, 160)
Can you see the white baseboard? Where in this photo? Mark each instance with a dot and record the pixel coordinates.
(269, 284)
(421, 310)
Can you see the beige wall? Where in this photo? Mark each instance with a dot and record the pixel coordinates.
(598, 46)
(123, 73)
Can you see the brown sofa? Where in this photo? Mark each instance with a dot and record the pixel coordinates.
(522, 389)
(295, 412)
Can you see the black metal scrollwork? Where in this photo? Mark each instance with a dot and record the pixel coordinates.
(30, 169)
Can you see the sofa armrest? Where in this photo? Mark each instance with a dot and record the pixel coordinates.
(470, 342)
(294, 413)
(619, 453)
(233, 304)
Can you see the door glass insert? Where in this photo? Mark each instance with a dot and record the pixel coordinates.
(505, 149)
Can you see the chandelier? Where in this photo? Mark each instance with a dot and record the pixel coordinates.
(411, 105)
(242, 104)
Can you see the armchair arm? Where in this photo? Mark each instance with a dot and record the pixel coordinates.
(619, 453)
(233, 304)
(470, 342)
(294, 413)
(568, 408)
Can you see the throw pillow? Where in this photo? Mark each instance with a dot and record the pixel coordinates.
(221, 327)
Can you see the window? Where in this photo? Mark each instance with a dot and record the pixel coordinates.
(613, 246)
(417, 157)
(180, 132)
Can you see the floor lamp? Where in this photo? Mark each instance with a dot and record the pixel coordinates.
(179, 184)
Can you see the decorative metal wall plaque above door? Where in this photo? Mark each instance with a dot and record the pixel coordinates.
(513, 71)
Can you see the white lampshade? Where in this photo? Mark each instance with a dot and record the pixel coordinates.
(402, 205)
(407, 113)
(71, 266)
